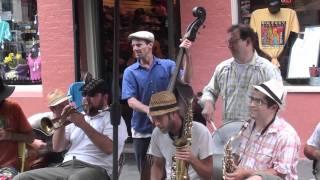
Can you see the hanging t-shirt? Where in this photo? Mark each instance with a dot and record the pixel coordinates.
(5, 31)
(273, 29)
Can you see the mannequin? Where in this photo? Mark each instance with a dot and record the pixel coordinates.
(273, 26)
(34, 62)
(274, 6)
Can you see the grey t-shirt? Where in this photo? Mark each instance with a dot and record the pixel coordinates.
(162, 146)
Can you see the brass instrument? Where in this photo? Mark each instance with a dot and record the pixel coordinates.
(228, 164)
(50, 125)
(179, 168)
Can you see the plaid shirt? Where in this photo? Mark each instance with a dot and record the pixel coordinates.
(277, 148)
(236, 88)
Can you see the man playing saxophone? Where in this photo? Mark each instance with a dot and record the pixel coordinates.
(171, 126)
(88, 138)
(269, 147)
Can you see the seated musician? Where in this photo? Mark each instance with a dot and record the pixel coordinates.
(312, 149)
(88, 138)
(14, 128)
(171, 126)
(269, 147)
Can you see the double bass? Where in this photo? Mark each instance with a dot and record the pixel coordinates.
(183, 91)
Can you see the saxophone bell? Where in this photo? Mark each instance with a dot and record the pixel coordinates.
(228, 161)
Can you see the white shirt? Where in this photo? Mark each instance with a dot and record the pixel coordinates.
(314, 139)
(82, 147)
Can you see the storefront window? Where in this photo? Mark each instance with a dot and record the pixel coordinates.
(281, 33)
(20, 61)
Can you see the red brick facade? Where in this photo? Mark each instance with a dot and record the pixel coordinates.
(57, 51)
(56, 41)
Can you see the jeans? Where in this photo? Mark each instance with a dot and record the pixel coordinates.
(70, 170)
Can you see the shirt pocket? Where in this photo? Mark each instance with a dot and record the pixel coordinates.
(264, 158)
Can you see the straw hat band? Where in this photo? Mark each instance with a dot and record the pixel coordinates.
(163, 107)
(266, 88)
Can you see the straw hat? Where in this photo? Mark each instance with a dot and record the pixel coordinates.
(162, 103)
(145, 35)
(273, 89)
(56, 97)
(5, 90)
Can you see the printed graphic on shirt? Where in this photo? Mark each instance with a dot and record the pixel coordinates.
(2, 122)
(272, 33)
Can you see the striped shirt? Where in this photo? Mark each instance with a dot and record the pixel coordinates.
(277, 148)
(235, 87)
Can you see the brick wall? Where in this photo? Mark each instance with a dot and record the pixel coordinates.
(56, 41)
(210, 47)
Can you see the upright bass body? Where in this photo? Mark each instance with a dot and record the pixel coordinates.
(184, 95)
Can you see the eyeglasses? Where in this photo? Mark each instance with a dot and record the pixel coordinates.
(233, 41)
(257, 101)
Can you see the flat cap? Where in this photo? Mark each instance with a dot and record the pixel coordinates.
(145, 35)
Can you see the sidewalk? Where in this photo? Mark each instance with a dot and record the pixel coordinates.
(130, 170)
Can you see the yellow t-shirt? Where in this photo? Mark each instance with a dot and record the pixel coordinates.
(273, 29)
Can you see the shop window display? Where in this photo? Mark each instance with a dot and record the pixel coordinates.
(20, 61)
(306, 12)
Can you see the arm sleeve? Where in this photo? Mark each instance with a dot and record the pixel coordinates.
(295, 27)
(23, 125)
(211, 90)
(206, 144)
(129, 86)
(314, 139)
(253, 23)
(154, 146)
(287, 156)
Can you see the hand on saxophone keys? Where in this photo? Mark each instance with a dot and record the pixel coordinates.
(239, 174)
(184, 153)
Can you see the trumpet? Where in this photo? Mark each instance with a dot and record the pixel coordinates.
(48, 126)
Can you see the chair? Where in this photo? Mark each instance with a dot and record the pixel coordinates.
(22, 151)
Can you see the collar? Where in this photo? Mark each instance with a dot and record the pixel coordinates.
(252, 61)
(137, 65)
(99, 115)
(272, 127)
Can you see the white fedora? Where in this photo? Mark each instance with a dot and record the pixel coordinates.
(273, 89)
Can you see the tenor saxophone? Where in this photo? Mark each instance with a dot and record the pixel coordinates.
(179, 168)
(228, 164)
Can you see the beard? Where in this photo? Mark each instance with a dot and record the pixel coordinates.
(93, 110)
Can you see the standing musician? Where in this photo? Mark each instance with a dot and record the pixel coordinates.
(269, 147)
(233, 78)
(169, 123)
(147, 76)
(88, 139)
